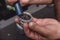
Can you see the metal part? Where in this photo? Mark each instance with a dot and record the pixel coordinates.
(26, 17)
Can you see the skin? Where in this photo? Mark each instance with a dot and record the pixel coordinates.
(25, 2)
(10, 2)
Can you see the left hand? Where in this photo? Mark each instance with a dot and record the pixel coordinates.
(22, 2)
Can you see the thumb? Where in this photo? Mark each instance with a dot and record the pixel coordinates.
(34, 19)
(24, 2)
(37, 28)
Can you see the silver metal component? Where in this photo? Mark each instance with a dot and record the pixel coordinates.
(22, 20)
(20, 27)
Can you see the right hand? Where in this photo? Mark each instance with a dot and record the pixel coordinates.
(23, 2)
(30, 34)
(49, 28)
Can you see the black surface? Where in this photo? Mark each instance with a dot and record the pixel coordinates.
(14, 33)
(47, 12)
(4, 12)
(2, 7)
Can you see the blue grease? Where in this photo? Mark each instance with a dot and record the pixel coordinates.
(18, 8)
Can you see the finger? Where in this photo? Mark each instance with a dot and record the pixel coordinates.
(24, 2)
(41, 38)
(25, 26)
(49, 20)
(34, 19)
(17, 20)
(28, 33)
(38, 28)
(36, 36)
(32, 35)
(10, 2)
(39, 21)
(26, 29)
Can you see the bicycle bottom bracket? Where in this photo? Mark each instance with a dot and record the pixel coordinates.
(26, 17)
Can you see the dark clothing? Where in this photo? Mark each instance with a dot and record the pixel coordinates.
(5, 13)
(2, 5)
(3, 9)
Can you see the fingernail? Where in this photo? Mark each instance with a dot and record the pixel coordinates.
(31, 24)
(16, 20)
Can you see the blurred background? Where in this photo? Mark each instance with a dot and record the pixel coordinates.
(8, 28)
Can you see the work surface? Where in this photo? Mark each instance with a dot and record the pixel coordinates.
(11, 31)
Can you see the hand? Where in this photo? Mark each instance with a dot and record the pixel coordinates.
(30, 34)
(49, 28)
(22, 2)
(25, 2)
(46, 29)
